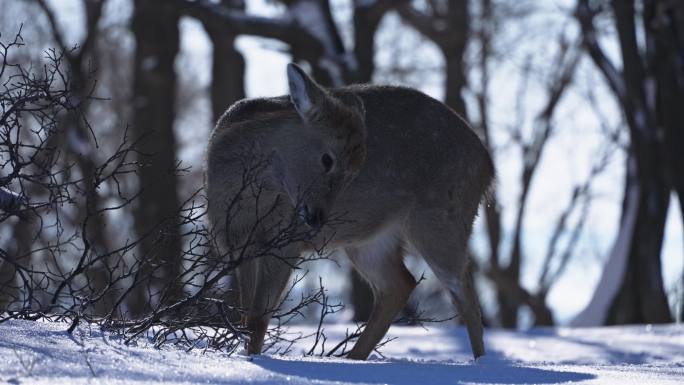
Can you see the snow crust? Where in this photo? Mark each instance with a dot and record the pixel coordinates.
(43, 353)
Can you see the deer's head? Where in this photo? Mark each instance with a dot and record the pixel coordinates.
(324, 151)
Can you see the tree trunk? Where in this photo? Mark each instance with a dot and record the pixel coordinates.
(643, 89)
(455, 81)
(508, 305)
(662, 22)
(8, 283)
(641, 298)
(228, 72)
(155, 25)
(95, 232)
(10, 286)
(453, 48)
(681, 299)
(367, 17)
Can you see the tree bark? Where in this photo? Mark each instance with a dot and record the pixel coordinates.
(663, 25)
(228, 68)
(366, 19)
(453, 49)
(643, 90)
(72, 129)
(10, 287)
(641, 297)
(155, 25)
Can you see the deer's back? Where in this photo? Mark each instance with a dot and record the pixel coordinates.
(416, 142)
(421, 156)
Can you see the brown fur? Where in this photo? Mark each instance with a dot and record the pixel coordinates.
(408, 177)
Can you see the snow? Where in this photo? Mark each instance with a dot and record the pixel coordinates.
(43, 353)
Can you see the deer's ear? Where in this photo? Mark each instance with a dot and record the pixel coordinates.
(307, 96)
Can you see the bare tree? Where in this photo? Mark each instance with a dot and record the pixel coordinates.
(53, 193)
(647, 89)
(228, 65)
(155, 26)
(503, 268)
(61, 286)
(81, 60)
(446, 23)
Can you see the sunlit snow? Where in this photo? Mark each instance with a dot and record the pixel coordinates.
(43, 353)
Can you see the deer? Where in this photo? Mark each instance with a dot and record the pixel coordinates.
(406, 171)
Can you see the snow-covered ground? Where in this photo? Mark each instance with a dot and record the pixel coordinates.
(43, 353)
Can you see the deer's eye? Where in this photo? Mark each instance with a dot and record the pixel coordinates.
(327, 162)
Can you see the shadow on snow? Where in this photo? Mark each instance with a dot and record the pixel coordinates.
(410, 373)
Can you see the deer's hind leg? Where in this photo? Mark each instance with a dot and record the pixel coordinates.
(383, 267)
(442, 240)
